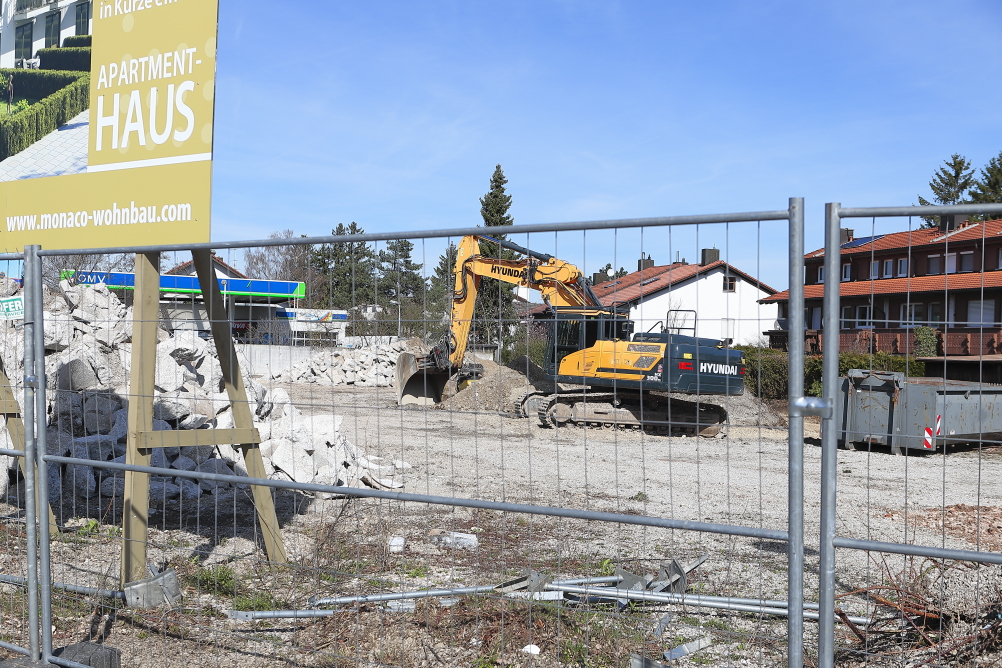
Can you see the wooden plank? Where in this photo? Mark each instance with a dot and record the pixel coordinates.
(135, 512)
(222, 334)
(15, 426)
(186, 438)
(9, 406)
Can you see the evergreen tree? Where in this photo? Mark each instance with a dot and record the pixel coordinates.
(442, 284)
(950, 183)
(988, 188)
(399, 276)
(346, 274)
(617, 274)
(494, 314)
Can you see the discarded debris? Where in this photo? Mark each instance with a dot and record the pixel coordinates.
(454, 539)
(688, 648)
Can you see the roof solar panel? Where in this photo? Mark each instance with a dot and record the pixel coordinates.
(862, 241)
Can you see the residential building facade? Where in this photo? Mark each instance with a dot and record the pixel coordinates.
(948, 278)
(29, 25)
(712, 299)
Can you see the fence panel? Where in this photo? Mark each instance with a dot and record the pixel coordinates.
(910, 511)
(460, 533)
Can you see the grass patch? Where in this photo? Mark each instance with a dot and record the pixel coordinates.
(218, 579)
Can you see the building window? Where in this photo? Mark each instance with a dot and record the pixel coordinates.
(846, 272)
(83, 18)
(729, 283)
(847, 320)
(981, 313)
(874, 269)
(821, 274)
(951, 263)
(888, 268)
(912, 314)
(935, 313)
(967, 261)
(935, 264)
(52, 29)
(22, 40)
(863, 316)
(903, 266)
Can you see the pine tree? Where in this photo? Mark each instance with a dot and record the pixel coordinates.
(988, 188)
(950, 183)
(346, 273)
(399, 276)
(617, 274)
(442, 283)
(494, 314)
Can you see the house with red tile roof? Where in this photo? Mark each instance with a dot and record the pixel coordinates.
(712, 299)
(948, 278)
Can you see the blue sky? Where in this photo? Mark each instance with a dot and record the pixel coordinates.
(393, 114)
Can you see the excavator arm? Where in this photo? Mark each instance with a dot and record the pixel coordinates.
(421, 379)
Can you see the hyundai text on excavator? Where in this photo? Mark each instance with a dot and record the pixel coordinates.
(602, 372)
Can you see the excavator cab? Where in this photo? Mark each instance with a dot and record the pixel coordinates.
(574, 329)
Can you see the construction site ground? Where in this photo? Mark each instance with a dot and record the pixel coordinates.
(339, 546)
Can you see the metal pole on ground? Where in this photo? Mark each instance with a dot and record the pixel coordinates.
(829, 438)
(795, 622)
(30, 510)
(33, 305)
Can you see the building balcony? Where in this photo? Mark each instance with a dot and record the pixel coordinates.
(952, 342)
(24, 7)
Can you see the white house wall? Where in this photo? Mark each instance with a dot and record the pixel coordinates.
(10, 18)
(717, 312)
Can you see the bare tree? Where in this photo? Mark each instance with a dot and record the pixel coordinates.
(55, 267)
(285, 263)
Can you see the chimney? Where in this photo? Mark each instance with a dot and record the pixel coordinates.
(947, 223)
(845, 236)
(645, 263)
(710, 255)
(599, 277)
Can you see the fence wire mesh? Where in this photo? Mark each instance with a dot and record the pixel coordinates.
(911, 321)
(374, 574)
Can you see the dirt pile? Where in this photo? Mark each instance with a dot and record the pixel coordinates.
(497, 389)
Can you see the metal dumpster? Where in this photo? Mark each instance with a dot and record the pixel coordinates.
(886, 408)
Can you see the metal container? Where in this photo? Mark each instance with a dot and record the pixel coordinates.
(886, 408)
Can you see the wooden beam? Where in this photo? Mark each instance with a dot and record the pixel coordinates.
(135, 510)
(186, 438)
(222, 334)
(15, 426)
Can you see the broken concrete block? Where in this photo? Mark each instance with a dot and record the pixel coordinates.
(454, 539)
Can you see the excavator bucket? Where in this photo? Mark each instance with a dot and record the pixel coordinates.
(416, 386)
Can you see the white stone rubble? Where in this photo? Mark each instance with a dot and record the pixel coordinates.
(88, 341)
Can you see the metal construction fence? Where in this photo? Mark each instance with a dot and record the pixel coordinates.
(223, 474)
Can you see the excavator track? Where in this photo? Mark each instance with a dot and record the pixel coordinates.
(654, 415)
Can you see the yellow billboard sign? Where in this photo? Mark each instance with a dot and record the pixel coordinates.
(133, 167)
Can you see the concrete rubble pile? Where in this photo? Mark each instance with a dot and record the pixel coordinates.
(88, 341)
(364, 367)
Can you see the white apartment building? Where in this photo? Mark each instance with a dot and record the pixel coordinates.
(712, 299)
(29, 25)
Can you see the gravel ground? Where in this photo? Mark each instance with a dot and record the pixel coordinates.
(340, 546)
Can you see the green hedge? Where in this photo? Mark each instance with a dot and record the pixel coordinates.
(76, 40)
(58, 105)
(38, 84)
(773, 365)
(71, 58)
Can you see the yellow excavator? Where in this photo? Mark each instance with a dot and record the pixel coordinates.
(603, 373)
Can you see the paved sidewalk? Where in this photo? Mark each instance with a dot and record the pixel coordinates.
(63, 151)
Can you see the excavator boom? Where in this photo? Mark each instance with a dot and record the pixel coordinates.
(421, 380)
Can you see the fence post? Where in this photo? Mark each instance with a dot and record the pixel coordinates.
(34, 306)
(30, 462)
(829, 438)
(795, 622)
